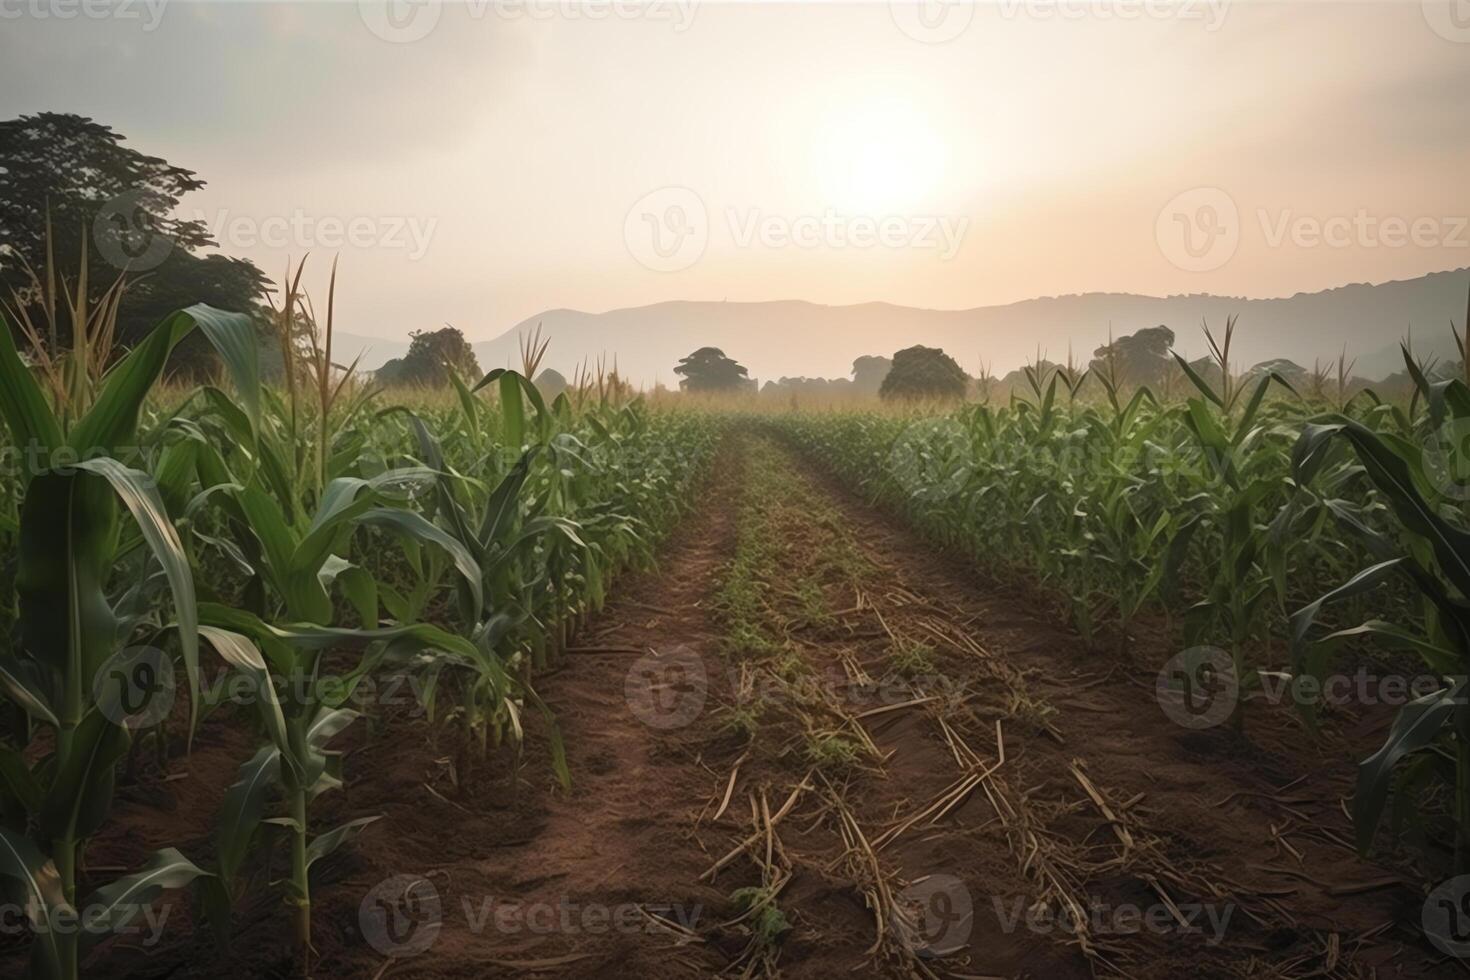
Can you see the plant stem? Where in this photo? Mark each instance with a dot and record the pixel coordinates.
(66, 866)
(297, 789)
(299, 879)
(1462, 805)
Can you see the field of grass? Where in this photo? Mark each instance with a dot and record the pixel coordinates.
(1049, 688)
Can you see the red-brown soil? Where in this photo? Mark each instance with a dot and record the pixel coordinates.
(1097, 798)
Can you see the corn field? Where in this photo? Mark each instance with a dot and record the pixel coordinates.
(1288, 530)
(314, 537)
(289, 532)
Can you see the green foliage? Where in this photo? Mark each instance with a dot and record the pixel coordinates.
(433, 356)
(1140, 358)
(1421, 482)
(1239, 514)
(708, 369)
(72, 625)
(71, 182)
(461, 543)
(869, 372)
(924, 373)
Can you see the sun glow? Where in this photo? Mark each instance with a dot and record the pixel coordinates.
(879, 158)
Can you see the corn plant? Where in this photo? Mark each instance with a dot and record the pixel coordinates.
(71, 626)
(1430, 738)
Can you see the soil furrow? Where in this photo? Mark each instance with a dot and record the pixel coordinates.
(808, 744)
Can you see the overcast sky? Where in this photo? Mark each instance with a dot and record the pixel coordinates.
(475, 164)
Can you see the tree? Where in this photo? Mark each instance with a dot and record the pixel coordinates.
(1140, 358)
(924, 372)
(708, 369)
(118, 203)
(868, 373)
(430, 354)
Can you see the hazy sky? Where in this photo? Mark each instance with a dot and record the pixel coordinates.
(478, 163)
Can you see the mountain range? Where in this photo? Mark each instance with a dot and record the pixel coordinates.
(798, 338)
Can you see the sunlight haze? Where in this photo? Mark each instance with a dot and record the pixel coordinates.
(496, 160)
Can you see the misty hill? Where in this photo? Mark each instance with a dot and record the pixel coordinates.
(796, 338)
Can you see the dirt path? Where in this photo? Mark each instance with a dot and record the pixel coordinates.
(808, 745)
(1255, 828)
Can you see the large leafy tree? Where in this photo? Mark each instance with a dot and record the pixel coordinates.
(868, 373)
(79, 178)
(708, 369)
(924, 372)
(1141, 358)
(430, 356)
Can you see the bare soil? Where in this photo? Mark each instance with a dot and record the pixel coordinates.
(1015, 806)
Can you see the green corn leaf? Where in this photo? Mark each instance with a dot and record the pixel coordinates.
(503, 506)
(80, 795)
(22, 404)
(1199, 382)
(264, 519)
(1435, 657)
(361, 590)
(1417, 726)
(511, 405)
(309, 636)
(558, 747)
(243, 808)
(1366, 580)
(414, 526)
(1389, 471)
(467, 403)
(236, 340)
(137, 493)
(1252, 407)
(240, 653)
(25, 692)
(112, 907)
(512, 410)
(324, 844)
(244, 803)
(113, 419)
(241, 426)
(18, 779)
(327, 725)
(112, 422)
(433, 455)
(45, 900)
